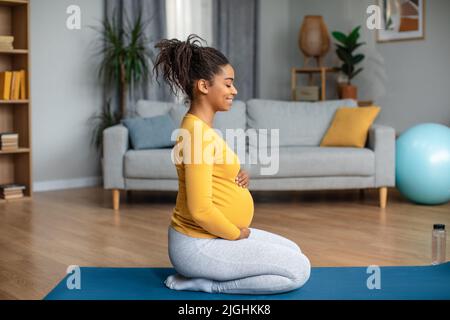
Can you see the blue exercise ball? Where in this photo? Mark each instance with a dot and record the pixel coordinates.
(423, 163)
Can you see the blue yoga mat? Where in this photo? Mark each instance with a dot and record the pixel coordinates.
(325, 283)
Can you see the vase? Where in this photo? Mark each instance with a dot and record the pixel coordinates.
(348, 91)
(313, 38)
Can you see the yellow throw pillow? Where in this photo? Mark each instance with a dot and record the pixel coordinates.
(350, 126)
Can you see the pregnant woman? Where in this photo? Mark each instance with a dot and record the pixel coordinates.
(211, 245)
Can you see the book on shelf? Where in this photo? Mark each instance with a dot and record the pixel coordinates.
(9, 148)
(6, 39)
(16, 196)
(9, 136)
(11, 196)
(23, 81)
(4, 46)
(13, 85)
(9, 141)
(5, 84)
(12, 186)
(6, 42)
(11, 191)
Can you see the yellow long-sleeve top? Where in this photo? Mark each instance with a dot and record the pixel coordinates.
(209, 203)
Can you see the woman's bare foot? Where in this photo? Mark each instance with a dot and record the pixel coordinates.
(179, 282)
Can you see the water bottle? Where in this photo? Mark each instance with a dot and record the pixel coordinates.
(438, 244)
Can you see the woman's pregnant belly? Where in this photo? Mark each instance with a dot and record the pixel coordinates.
(235, 202)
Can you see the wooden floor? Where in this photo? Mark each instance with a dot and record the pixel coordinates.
(40, 238)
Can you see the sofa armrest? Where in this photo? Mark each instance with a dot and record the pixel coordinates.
(382, 141)
(115, 145)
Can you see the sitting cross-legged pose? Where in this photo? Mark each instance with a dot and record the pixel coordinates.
(210, 244)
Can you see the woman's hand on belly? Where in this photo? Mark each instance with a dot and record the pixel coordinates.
(245, 233)
(242, 179)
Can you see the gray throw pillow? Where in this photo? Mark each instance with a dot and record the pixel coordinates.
(150, 133)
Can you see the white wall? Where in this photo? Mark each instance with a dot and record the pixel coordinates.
(410, 80)
(65, 92)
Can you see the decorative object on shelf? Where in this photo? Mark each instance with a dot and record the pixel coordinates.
(307, 93)
(313, 39)
(345, 51)
(310, 71)
(401, 20)
(422, 164)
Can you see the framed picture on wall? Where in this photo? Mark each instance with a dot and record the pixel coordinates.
(401, 20)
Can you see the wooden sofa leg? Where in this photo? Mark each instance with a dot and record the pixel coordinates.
(383, 197)
(116, 198)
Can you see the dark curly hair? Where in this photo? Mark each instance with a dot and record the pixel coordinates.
(183, 62)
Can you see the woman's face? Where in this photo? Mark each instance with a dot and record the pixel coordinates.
(222, 91)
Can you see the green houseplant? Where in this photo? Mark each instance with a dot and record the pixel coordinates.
(346, 46)
(105, 119)
(125, 53)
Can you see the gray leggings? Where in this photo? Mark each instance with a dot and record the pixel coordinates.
(264, 263)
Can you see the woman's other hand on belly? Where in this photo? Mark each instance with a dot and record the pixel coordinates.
(242, 179)
(245, 233)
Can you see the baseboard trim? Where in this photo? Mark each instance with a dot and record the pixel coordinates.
(67, 184)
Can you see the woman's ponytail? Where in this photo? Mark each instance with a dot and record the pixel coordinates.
(182, 62)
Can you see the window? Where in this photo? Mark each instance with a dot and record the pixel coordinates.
(189, 16)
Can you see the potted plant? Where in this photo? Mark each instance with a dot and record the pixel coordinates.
(125, 53)
(346, 46)
(105, 119)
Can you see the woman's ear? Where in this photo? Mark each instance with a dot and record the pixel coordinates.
(202, 86)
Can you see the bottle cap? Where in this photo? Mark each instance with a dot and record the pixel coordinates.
(439, 226)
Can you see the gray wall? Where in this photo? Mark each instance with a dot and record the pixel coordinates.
(64, 92)
(410, 80)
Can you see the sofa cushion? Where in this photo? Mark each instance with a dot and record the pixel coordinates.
(150, 133)
(350, 127)
(149, 164)
(319, 162)
(300, 123)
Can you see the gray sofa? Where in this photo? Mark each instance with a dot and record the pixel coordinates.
(302, 164)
